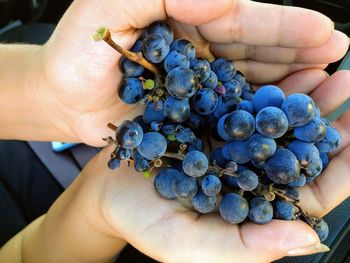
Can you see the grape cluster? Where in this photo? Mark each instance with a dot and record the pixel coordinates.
(267, 145)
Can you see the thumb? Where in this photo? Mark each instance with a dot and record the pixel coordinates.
(266, 243)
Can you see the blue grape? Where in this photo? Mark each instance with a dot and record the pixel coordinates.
(283, 167)
(158, 105)
(153, 146)
(176, 59)
(130, 68)
(218, 158)
(155, 126)
(221, 129)
(226, 104)
(284, 210)
(224, 68)
(203, 203)
(164, 182)
(162, 29)
(176, 110)
(260, 211)
(271, 122)
(247, 95)
(150, 114)
(317, 111)
(195, 163)
(141, 165)
(211, 82)
(196, 145)
(299, 109)
(185, 186)
(168, 129)
(313, 131)
(258, 164)
(231, 181)
(246, 105)
(268, 96)
(247, 180)
(113, 163)
(185, 135)
(232, 87)
(124, 154)
(155, 48)
(131, 91)
(211, 185)
(305, 152)
(331, 142)
(201, 68)
(321, 228)
(195, 122)
(204, 101)
(235, 151)
(292, 192)
(140, 121)
(129, 134)
(137, 47)
(260, 148)
(185, 47)
(181, 83)
(233, 208)
(239, 78)
(325, 159)
(299, 181)
(240, 125)
(314, 168)
(231, 167)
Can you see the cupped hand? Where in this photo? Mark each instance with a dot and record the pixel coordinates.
(268, 42)
(170, 232)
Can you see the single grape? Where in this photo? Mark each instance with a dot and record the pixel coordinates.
(231, 167)
(226, 104)
(163, 29)
(268, 96)
(224, 68)
(234, 208)
(283, 167)
(314, 168)
(240, 125)
(239, 77)
(232, 87)
(230, 181)
(195, 122)
(176, 110)
(185, 135)
(218, 158)
(155, 48)
(260, 211)
(185, 186)
(221, 129)
(271, 122)
(284, 210)
(150, 114)
(292, 193)
(129, 134)
(298, 181)
(140, 121)
(313, 131)
(141, 165)
(247, 180)
(221, 90)
(211, 82)
(153, 146)
(137, 47)
(299, 109)
(305, 152)
(155, 126)
(196, 145)
(195, 163)
(124, 154)
(235, 151)
(181, 83)
(164, 182)
(185, 47)
(321, 228)
(331, 142)
(260, 148)
(130, 68)
(204, 101)
(203, 203)
(176, 59)
(113, 163)
(131, 91)
(201, 68)
(246, 105)
(211, 185)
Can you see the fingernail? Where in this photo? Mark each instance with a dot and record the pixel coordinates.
(308, 250)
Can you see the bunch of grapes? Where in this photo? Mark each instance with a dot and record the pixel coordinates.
(218, 143)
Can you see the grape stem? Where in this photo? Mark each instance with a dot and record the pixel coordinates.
(105, 35)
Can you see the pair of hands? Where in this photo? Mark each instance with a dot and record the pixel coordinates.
(270, 44)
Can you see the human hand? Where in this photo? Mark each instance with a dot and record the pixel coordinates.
(267, 42)
(170, 232)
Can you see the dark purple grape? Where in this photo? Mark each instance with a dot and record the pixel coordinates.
(235, 151)
(175, 59)
(224, 68)
(185, 186)
(233, 208)
(322, 230)
(131, 91)
(268, 96)
(155, 48)
(181, 83)
(233, 88)
(195, 163)
(260, 148)
(164, 182)
(204, 101)
(176, 110)
(247, 180)
(284, 210)
(331, 142)
(211, 82)
(313, 131)
(163, 29)
(260, 211)
(185, 47)
(201, 68)
(129, 134)
(203, 203)
(150, 114)
(113, 163)
(246, 105)
(239, 124)
(271, 122)
(211, 185)
(130, 68)
(153, 146)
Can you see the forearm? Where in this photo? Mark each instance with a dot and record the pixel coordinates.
(25, 114)
(71, 231)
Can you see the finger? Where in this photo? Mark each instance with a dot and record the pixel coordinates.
(329, 189)
(269, 25)
(331, 51)
(332, 93)
(303, 81)
(259, 73)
